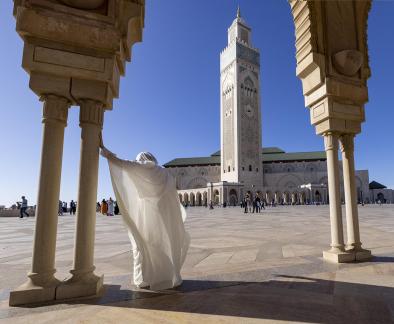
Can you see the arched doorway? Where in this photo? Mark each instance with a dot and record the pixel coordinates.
(198, 199)
(277, 197)
(268, 197)
(192, 199)
(286, 198)
(302, 198)
(233, 197)
(180, 198)
(318, 197)
(185, 198)
(205, 198)
(216, 197)
(380, 198)
(294, 198)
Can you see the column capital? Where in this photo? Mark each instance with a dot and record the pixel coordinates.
(55, 109)
(347, 143)
(92, 112)
(331, 141)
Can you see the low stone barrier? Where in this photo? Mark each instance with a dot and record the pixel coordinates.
(15, 212)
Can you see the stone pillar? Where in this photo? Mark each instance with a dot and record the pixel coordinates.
(83, 281)
(41, 285)
(337, 252)
(352, 224)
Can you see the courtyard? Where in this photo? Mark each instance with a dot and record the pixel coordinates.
(240, 268)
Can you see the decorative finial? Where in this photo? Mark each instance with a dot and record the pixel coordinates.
(239, 12)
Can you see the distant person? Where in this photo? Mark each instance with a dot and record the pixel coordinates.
(116, 208)
(98, 207)
(104, 207)
(73, 207)
(245, 203)
(23, 207)
(64, 207)
(110, 207)
(60, 208)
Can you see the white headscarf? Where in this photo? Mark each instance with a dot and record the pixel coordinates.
(146, 157)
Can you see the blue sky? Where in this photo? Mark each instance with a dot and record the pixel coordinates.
(169, 99)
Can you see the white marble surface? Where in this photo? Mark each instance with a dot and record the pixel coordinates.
(240, 268)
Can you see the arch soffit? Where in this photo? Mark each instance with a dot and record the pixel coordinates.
(289, 178)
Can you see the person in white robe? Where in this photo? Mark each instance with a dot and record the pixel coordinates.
(149, 204)
(111, 206)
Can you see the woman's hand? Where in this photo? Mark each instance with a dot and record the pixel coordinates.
(106, 153)
(101, 144)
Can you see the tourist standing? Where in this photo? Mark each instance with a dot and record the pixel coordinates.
(104, 207)
(116, 209)
(110, 207)
(23, 209)
(98, 207)
(246, 205)
(60, 208)
(73, 207)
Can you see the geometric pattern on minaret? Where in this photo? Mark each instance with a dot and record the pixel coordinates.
(240, 113)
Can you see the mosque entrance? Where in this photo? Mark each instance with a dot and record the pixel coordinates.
(233, 197)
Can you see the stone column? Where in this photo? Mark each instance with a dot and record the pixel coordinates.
(83, 281)
(352, 224)
(41, 285)
(337, 252)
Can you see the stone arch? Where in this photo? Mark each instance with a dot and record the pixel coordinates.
(380, 197)
(268, 197)
(247, 77)
(197, 182)
(294, 198)
(180, 198)
(278, 197)
(198, 199)
(290, 179)
(227, 84)
(286, 197)
(323, 180)
(205, 198)
(317, 196)
(192, 199)
(233, 197)
(302, 197)
(216, 197)
(186, 198)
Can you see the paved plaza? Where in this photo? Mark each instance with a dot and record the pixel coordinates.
(240, 268)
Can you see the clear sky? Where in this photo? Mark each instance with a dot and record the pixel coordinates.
(169, 98)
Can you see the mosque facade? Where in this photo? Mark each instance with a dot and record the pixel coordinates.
(242, 166)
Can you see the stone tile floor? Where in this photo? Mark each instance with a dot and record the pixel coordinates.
(240, 269)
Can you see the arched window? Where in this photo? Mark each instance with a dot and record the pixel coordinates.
(229, 169)
(250, 168)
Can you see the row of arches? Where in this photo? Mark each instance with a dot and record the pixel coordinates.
(296, 197)
(194, 199)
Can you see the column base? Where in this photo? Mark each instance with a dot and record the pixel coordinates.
(84, 287)
(30, 293)
(362, 254)
(339, 256)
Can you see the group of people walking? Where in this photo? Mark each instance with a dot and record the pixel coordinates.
(65, 208)
(253, 204)
(108, 207)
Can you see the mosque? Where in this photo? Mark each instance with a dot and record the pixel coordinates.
(242, 166)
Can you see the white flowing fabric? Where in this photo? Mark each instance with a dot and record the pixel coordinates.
(150, 207)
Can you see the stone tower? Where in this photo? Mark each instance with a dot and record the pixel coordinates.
(241, 158)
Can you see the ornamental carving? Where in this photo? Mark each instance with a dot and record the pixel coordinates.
(84, 4)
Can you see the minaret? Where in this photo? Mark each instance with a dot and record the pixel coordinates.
(241, 159)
